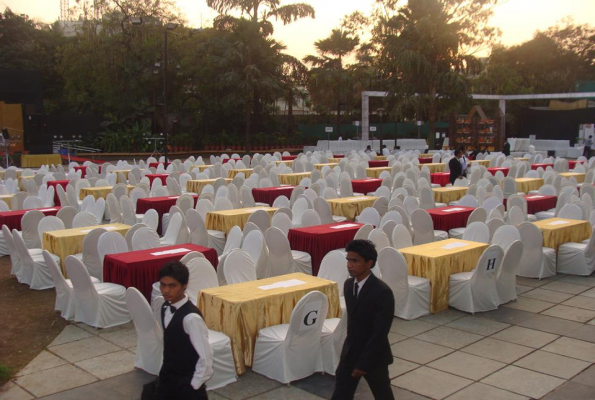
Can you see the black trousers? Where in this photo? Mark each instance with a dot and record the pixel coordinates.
(587, 151)
(377, 379)
(174, 388)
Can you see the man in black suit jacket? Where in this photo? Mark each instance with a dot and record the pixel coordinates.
(370, 311)
(456, 169)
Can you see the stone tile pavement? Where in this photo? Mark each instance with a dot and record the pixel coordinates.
(539, 347)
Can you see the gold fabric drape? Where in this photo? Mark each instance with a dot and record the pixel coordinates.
(7, 198)
(99, 191)
(292, 179)
(557, 231)
(434, 167)
(525, 185)
(233, 172)
(376, 171)
(379, 157)
(201, 168)
(579, 176)
(225, 220)
(351, 207)
(196, 186)
(448, 194)
(289, 163)
(432, 261)
(37, 160)
(242, 309)
(485, 163)
(330, 164)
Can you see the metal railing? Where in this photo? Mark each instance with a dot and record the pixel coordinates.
(69, 145)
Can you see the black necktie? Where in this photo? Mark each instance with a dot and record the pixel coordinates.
(172, 309)
(356, 289)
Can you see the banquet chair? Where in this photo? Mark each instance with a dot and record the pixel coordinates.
(479, 214)
(234, 241)
(149, 342)
(66, 214)
(323, 209)
(100, 305)
(190, 256)
(283, 222)
(261, 218)
(493, 225)
(222, 204)
(380, 240)
(33, 270)
(151, 219)
(71, 197)
(476, 291)
(388, 227)
(84, 218)
(537, 261)
(30, 228)
(216, 238)
(32, 202)
(15, 260)
(240, 267)
(129, 216)
(310, 218)
(114, 211)
(571, 211)
(369, 215)
(88, 203)
(197, 229)
(505, 236)
(246, 197)
(363, 232)
(202, 276)
(281, 201)
(281, 259)
(147, 239)
(515, 216)
(401, 237)
(410, 204)
(298, 208)
(411, 293)
(423, 228)
(477, 232)
(426, 199)
(381, 205)
(254, 243)
(173, 230)
(333, 268)
(111, 243)
(48, 224)
(577, 258)
(90, 254)
(292, 351)
(506, 278)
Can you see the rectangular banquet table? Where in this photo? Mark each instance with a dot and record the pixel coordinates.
(537, 203)
(269, 194)
(242, 309)
(350, 207)
(448, 194)
(379, 157)
(425, 160)
(525, 185)
(504, 170)
(196, 186)
(338, 155)
(66, 242)
(21, 179)
(152, 177)
(37, 160)
(485, 163)
(225, 220)
(12, 219)
(18, 171)
(226, 160)
(440, 178)
(7, 198)
(579, 176)
(433, 167)
(375, 172)
(572, 163)
(333, 160)
(159, 204)
(522, 159)
(200, 168)
(83, 169)
(366, 185)
(447, 218)
(557, 231)
(99, 191)
(62, 183)
(292, 179)
(544, 166)
(288, 163)
(328, 164)
(233, 172)
(320, 239)
(288, 158)
(436, 261)
(140, 269)
(377, 163)
(154, 164)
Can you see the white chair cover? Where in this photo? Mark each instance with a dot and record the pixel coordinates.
(145, 238)
(477, 232)
(401, 237)
(240, 267)
(91, 257)
(537, 261)
(202, 276)
(149, 336)
(577, 258)
(234, 241)
(34, 271)
(505, 236)
(111, 243)
(84, 218)
(30, 228)
(506, 279)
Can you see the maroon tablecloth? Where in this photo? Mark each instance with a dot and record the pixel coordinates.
(572, 163)
(154, 164)
(445, 220)
(12, 219)
(288, 158)
(159, 204)
(377, 163)
(425, 160)
(440, 178)
(140, 269)
(268, 195)
(544, 166)
(321, 239)
(152, 177)
(338, 155)
(63, 183)
(365, 185)
(82, 168)
(495, 169)
(226, 160)
(537, 203)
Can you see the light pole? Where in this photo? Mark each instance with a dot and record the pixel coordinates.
(380, 112)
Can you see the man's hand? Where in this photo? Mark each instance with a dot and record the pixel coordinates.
(358, 373)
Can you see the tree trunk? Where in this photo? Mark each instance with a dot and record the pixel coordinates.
(247, 137)
(290, 112)
(338, 118)
(432, 112)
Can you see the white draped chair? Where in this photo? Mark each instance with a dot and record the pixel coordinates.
(234, 241)
(577, 258)
(34, 270)
(537, 261)
(506, 279)
(240, 267)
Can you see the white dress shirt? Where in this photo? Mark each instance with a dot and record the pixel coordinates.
(195, 327)
(360, 284)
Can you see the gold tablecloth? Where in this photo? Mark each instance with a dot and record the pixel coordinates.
(579, 176)
(225, 220)
(289, 163)
(522, 159)
(123, 172)
(7, 198)
(37, 160)
(66, 242)
(201, 168)
(376, 171)
(99, 191)
(292, 179)
(432, 261)
(379, 157)
(233, 172)
(527, 184)
(480, 162)
(448, 194)
(555, 235)
(434, 167)
(22, 187)
(351, 207)
(242, 309)
(196, 186)
(334, 160)
(330, 164)
(18, 173)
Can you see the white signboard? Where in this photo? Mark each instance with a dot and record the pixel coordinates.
(328, 129)
(372, 129)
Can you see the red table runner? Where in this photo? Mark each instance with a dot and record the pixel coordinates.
(321, 239)
(440, 178)
(537, 203)
(504, 170)
(365, 185)
(377, 163)
(159, 204)
(63, 183)
(445, 220)
(572, 163)
(425, 160)
(82, 168)
(544, 166)
(268, 195)
(12, 219)
(140, 269)
(288, 158)
(152, 177)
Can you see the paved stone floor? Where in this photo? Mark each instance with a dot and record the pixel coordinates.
(539, 347)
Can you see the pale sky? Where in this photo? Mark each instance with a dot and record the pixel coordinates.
(518, 19)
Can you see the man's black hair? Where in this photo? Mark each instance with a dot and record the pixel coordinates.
(175, 270)
(590, 136)
(365, 248)
(457, 152)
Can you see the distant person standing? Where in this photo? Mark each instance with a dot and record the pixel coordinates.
(588, 145)
(455, 166)
(368, 149)
(464, 161)
(340, 138)
(506, 149)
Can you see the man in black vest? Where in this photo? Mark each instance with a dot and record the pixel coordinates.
(370, 311)
(455, 166)
(187, 355)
